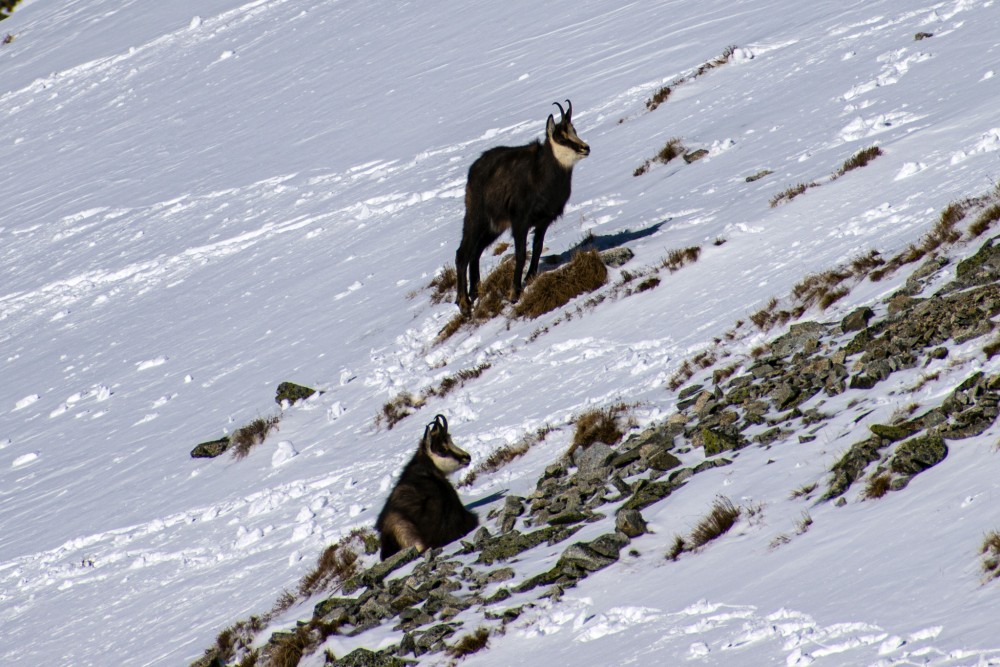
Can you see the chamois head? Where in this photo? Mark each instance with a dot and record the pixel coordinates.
(437, 445)
(566, 145)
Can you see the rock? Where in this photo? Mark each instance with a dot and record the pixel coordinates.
(362, 657)
(211, 449)
(631, 523)
(694, 156)
(785, 396)
(593, 458)
(376, 573)
(981, 268)
(857, 319)
(616, 257)
(584, 557)
(291, 392)
(646, 493)
(851, 466)
(716, 442)
(892, 433)
(918, 454)
(663, 461)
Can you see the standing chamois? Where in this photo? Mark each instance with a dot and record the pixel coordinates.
(424, 510)
(518, 188)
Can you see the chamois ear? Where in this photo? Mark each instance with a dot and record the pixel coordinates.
(550, 126)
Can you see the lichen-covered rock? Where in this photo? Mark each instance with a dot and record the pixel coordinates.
(631, 523)
(362, 657)
(918, 454)
(210, 449)
(852, 464)
(717, 441)
(894, 432)
(291, 392)
(857, 319)
(593, 459)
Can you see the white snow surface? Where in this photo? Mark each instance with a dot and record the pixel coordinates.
(203, 199)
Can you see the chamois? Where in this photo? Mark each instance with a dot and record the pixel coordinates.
(423, 510)
(518, 188)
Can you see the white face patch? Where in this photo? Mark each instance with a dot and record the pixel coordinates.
(446, 464)
(565, 155)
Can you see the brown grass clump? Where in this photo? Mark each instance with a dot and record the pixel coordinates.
(289, 648)
(720, 519)
(984, 220)
(470, 643)
(764, 318)
(943, 233)
(246, 438)
(681, 376)
(864, 264)
(500, 248)
(678, 547)
(456, 380)
(336, 564)
(671, 150)
(504, 455)
(877, 486)
(803, 491)
(677, 259)
(600, 425)
(858, 160)
(791, 193)
(991, 554)
(553, 289)
(443, 285)
(658, 98)
(398, 409)
(648, 284)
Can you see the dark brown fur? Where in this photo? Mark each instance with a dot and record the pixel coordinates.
(423, 509)
(518, 188)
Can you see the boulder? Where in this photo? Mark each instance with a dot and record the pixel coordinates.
(210, 449)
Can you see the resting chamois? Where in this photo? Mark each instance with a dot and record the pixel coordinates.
(424, 510)
(518, 188)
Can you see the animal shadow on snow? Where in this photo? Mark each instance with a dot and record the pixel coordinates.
(600, 243)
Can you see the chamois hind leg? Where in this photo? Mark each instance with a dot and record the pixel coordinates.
(462, 272)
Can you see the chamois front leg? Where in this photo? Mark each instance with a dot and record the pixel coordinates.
(537, 244)
(520, 252)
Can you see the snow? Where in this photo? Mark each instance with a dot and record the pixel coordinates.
(204, 199)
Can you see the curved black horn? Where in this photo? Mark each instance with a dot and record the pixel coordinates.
(442, 422)
(569, 110)
(561, 112)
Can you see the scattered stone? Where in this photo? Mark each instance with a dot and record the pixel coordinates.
(616, 257)
(291, 392)
(857, 319)
(630, 522)
(211, 449)
(716, 441)
(694, 156)
(918, 454)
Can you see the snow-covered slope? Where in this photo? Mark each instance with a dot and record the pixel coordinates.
(203, 199)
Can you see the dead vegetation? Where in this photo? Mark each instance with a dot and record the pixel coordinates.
(504, 455)
(878, 485)
(246, 438)
(678, 259)
(663, 93)
(670, 151)
(443, 285)
(858, 160)
(338, 563)
(405, 404)
(601, 425)
(719, 521)
(759, 175)
(791, 193)
(584, 273)
(470, 643)
(991, 555)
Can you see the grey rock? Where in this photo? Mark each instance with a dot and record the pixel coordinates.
(918, 454)
(615, 257)
(593, 459)
(291, 392)
(857, 319)
(631, 523)
(211, 449)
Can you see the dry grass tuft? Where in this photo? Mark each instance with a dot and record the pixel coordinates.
(289, 649)
(863, 264)
(336, 564)
(991, 554)
(648, 284)
(791, 193)
(658, 98)
(470, 643)
(671, 150)
(553, 289)
(765, 318)
(500, 248)
(678, 547)
(246, 438)
(720, 519)
(877, 486)
(858, 160)
(803, 491)
(681, 376)
(398, 409)
(504, 455)
(984, 220)
(443, 285)
(602, 425)
(677, 259)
